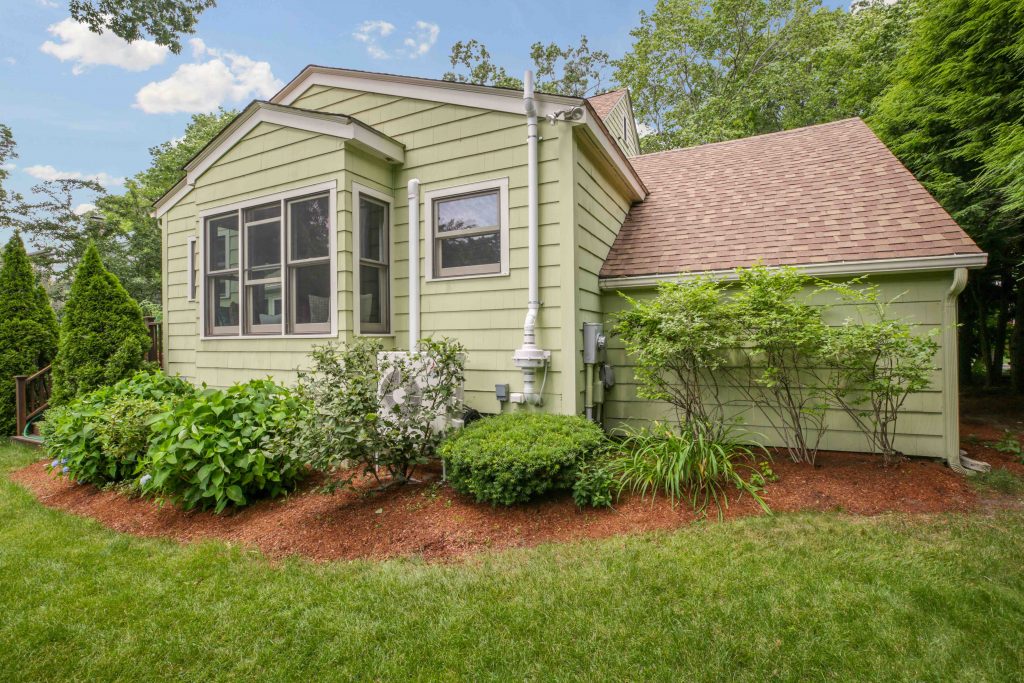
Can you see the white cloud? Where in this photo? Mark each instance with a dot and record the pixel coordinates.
(47, 3)
(10, 60)
(205, 85)
(9, 166)
(84, 208)
(417, 42)
(48, 172)
(369, 32)
(85, 48)
(424, 39)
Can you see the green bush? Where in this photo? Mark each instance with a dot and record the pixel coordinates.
(28, 327)
(595, 484)
(100, 437)
(514, 457)
(102, 336)
(348, 427)
(691, 465)
(209, 449)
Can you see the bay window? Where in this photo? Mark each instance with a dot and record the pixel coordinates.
(268, 268)
(373, 251)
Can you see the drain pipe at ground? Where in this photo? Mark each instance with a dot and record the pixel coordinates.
(414, 264)
(529, 357)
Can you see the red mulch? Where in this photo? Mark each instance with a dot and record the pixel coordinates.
(434, 522)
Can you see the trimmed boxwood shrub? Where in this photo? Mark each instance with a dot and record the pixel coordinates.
(210, 449)
(28, 326)
(511, 458)
(100, 437)
(102, 336)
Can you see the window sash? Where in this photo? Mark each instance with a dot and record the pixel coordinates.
(382, 266)
(245, 287)
(439, 238)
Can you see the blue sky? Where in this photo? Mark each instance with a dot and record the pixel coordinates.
(92, 106)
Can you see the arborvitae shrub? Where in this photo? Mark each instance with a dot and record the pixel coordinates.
(103, 338)
(28, 327)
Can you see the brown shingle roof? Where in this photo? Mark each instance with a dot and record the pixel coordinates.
(605, 102)
(820, 194)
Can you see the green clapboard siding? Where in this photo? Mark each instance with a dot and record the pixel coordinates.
(446, 146)
(921, 430)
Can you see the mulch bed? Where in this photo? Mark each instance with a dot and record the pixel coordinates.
(433, 522)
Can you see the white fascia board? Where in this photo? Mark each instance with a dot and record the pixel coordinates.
(325, 124)
(466, 95)
(168, 201)
(921, 264)
(463, 94)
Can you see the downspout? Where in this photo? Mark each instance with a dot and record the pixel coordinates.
(950, 384)
(529, 357)
(414, 264)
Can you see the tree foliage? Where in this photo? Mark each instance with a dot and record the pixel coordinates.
(102, 335)
(576, 71)
(954, 117)
(709, 71)
(28, 326)
(9, 201)
(165, 20)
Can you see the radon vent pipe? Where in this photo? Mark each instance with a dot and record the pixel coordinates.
(414, 264)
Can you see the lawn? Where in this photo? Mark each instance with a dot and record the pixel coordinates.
(797, 596)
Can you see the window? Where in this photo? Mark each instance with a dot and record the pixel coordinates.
(374, 287)
(193, 269)
(469, 230)
(625, 129)
(268, 268)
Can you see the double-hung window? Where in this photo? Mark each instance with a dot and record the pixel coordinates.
(268, 268)
(374, 266)
(469, 230)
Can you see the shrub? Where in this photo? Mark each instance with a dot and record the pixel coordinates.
(28, 327)
(99, 438)
(102, 336)
(350, 424)
(595, 484)
(514, 457)
(688, 465)
(878, 362)
(209, 449)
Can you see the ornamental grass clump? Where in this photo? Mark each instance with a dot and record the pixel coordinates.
(516, 457)
(689, 466)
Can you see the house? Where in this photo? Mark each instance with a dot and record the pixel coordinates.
(529, 214)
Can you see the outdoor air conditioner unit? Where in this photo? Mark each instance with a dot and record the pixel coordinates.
(405, 377)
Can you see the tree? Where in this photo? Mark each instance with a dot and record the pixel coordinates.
(574, 71)
(28, 326)
(165, 20)
(102, 335)
(122, 228)
(953, 116)
(708, 71)
(10, 202)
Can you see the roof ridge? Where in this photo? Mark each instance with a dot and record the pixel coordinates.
(750, 137)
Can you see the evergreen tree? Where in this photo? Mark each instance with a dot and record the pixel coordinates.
(102, 335)
(28, 326)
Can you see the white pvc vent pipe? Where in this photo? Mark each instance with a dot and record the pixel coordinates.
(414, 264)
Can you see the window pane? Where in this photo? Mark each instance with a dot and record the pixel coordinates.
(222, 300)
(373, 217)
(373, 294)
(263, 244)
(311, 294)
(264, 305)
(264, 212)
(472, 250)
(223, 242)
(310, 228)
(474, 211)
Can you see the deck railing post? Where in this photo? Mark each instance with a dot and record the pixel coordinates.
(20, 407)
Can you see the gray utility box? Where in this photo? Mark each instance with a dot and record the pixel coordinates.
(593, 342)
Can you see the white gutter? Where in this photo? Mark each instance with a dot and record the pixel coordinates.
(920, 264)
(414, 264)
(529, 357)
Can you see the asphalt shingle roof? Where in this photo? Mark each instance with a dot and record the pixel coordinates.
(819, 194)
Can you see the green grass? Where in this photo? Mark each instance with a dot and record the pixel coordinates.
(1000, 480)
(796, 597)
